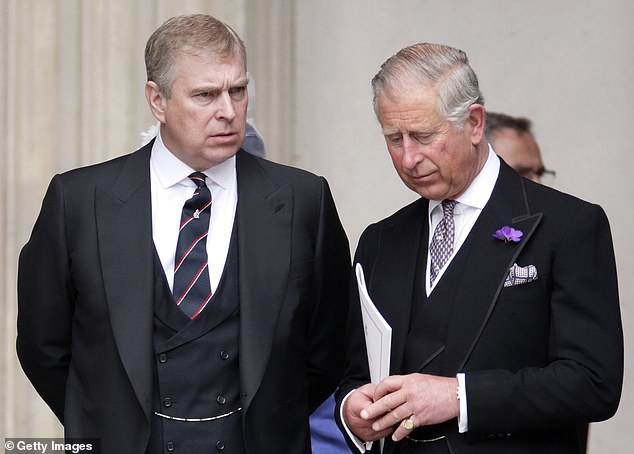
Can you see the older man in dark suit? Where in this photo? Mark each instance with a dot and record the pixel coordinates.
(501, 293)
(188, 297)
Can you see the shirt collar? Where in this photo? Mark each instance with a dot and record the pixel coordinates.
(170, 170)
(479, 191)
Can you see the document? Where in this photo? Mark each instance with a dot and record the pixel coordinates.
(378, 337)
(378, 333)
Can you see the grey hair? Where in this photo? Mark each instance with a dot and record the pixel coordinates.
(443, 68)
(196, 34)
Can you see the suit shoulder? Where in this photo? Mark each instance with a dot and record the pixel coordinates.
(280, 173)
(105, 170)
(415, 210)
(550, 200)
(404, 214)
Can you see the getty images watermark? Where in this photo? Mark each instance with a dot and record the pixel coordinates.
(51, 445)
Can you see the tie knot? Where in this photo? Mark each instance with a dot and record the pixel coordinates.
(447, 207)
(199, 179)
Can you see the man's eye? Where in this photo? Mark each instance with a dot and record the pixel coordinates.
(237, 91)
(422, 138)
(204, 94)
(395, 139)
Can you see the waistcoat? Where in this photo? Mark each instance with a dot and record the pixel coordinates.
(196, 370)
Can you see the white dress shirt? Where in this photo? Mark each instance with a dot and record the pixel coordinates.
(466, 213)
(170, 188)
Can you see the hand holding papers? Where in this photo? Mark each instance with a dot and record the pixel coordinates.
(378, 334)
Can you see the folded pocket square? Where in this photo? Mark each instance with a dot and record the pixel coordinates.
(518, 275)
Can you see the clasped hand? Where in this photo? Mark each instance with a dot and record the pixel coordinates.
(373, 411)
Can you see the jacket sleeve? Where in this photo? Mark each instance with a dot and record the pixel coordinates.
(327, 319)
(45, 303)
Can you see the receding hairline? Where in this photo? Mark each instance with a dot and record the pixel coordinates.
(439, 67)
(194, 34)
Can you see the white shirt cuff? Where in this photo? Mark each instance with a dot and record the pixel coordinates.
(463, 420)
(361, 445)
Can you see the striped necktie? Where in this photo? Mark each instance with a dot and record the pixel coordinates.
(192, 290)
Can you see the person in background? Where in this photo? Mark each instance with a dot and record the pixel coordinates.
(253, 142)
(187, 297)
(325, 436)
(501, 293)
(513, 140)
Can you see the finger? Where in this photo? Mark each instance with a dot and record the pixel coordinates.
(394, 417)
(383, 406)
(387, 386)
(404, 428)
(367, 391)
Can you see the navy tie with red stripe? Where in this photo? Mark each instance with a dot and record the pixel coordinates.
(192, 290)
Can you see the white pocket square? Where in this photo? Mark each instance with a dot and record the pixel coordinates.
(518, 275)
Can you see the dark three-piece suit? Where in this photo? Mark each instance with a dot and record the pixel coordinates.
(541, 350)
(101, 340)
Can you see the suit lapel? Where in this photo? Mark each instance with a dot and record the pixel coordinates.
(124, 225)
(264, 215)
(486, 266)
(398, 266)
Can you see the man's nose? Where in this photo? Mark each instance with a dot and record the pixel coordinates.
(412, 152)
(225, 109)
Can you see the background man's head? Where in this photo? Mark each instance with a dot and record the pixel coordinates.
(513, 140)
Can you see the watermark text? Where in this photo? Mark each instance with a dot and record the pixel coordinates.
(51, 446)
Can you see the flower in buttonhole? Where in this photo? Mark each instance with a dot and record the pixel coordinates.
(508, 234)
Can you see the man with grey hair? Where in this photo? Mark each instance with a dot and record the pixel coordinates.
(501, 293)
(188, 297)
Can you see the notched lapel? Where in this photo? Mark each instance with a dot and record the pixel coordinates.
(396, 264)
(264, 246)
(125, 244)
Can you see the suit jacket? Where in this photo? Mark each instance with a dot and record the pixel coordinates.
(86, 304)
(540, 358)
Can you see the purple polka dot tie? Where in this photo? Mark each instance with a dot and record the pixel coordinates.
(192, 290)
(441, 246)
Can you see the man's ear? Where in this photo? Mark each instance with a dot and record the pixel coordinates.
(477, 122)
(156, 100)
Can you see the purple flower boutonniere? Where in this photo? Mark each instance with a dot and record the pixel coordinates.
(508, 234)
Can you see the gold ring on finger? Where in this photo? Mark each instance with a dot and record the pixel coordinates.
(408, 424)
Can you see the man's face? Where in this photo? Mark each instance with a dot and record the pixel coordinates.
(203, 122)
(432, 158)
(520, 151)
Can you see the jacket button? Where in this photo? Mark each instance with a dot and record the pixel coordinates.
(221, 400)
(167, 402)
(163, 358)
(170, 446)
(220, 446)
(224, 355)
